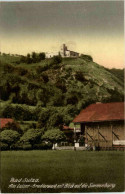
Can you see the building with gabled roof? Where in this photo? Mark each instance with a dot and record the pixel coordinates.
(101, 112)
(102, 124)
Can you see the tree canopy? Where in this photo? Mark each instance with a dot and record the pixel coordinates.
(9, 136)
(54, 136)
(32, 136)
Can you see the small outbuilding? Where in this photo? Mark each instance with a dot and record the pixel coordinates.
(102, 125)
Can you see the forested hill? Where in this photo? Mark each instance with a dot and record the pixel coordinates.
(53, 91)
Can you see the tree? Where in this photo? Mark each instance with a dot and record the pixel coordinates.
(28, 55)
(34, 57)
(41, 56)
(41, 96)
(56, 59)
(9, 137)
(72, 98)
(54, 136)
(50, 118)
(23, 59)
(17, 112)
(55, 119)
(43, 117)
(31, 136)
(61, 84)
(28, 59)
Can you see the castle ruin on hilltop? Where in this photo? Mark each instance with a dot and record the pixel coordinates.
(64, 52)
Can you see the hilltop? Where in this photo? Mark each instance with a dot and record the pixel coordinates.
(51, 93)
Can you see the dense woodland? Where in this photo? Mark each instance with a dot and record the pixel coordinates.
(45, 94)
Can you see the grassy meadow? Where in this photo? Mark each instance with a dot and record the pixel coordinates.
(61, 167)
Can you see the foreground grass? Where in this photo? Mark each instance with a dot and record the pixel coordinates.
(58, 167)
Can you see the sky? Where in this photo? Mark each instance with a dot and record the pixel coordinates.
(89, 27)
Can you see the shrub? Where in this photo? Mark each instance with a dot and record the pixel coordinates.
(56, 60)
(17, 146)
(21, 146)
(86, 57)
(3, 146)
(9, 137)
(32, 58)
(22, 71)
(43, 146)
(27, 147)
(8, 68)
(40, 69)
(61, 84)
(19, 112)
(22, 59)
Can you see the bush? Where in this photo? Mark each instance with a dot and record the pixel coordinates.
(61, 84)
(40, 69)
(3, 146)
(27, 147)
(9, 137)
(21, 146)
(43, 146)
(19, 112)
(8, 68)
(86, 57)
(56, 60)
(17, 146)
(22, 71)
(32, 58)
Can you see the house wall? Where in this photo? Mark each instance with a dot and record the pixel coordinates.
(51, 54)
(73, 54)
(104, 133)
(67, 53)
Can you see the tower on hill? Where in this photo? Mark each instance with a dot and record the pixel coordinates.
(64, 52)
(68, 53)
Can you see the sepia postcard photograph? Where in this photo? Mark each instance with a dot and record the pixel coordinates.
(62, 96)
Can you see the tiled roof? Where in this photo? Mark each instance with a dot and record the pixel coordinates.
(67, 128)
(4, 121)
(101, 112)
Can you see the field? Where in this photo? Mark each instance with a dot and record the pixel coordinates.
(60, 167)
